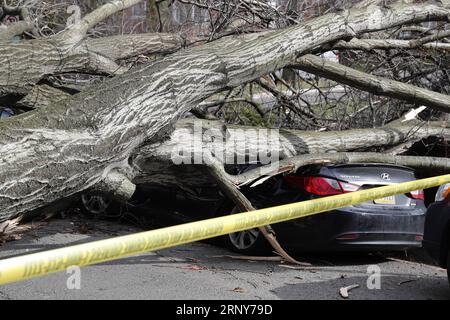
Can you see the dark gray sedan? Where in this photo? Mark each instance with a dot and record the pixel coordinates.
(391, 223)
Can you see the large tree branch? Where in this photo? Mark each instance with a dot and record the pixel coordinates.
(373, 84)
(385, 44)
(238, 142)
(25, 63)
(128, 46)
(434, 37)
(240, 200)
(56, 55)
(159, 162)
(430, 165)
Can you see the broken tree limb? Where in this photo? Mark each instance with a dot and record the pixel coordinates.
(59, 55)
(385, 44)
(189, 138)
(426, 164)
(373, 84)
(158, 163)
(117, 185)
(440, 34)
(218, 173)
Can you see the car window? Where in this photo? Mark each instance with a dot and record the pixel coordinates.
(6, 113)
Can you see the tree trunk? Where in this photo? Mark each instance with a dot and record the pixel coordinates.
(180, 161)
(69, 146)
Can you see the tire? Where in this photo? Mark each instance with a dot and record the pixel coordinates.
(98, 205)
(250, 242)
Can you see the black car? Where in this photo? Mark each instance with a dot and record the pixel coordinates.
(392, 223)
(437, 229)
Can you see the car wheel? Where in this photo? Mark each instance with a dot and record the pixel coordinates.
(248, 242)
(96, 204)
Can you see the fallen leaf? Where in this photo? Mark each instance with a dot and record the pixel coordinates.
(238, 290)
(11, 230)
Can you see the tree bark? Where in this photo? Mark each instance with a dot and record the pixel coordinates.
(386, 44)
(128, 46)
(75, 144)
(64, 52)
(158, 163)
(427, 165)
(373, 84)
(244, 204)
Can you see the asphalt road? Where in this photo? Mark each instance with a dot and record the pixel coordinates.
(200, 271)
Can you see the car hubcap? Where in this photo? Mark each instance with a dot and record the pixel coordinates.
(95, 204)
(245, 239)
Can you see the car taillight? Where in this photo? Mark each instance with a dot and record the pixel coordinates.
(348, 187)
(418, 195)
(321, 186)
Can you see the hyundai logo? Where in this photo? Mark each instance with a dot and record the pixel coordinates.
(385, 176)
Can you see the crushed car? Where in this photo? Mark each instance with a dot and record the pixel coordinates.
(391, 223)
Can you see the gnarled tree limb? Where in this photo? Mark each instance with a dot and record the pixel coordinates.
(220, 177)
(373, 84)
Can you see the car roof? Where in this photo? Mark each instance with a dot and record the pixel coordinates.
(369, 165)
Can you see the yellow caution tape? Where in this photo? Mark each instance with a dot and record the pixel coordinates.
(43, 263)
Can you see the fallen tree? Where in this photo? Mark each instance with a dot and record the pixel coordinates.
(162, 163)
(116, 133)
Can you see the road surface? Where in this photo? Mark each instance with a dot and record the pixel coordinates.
(201, 271)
